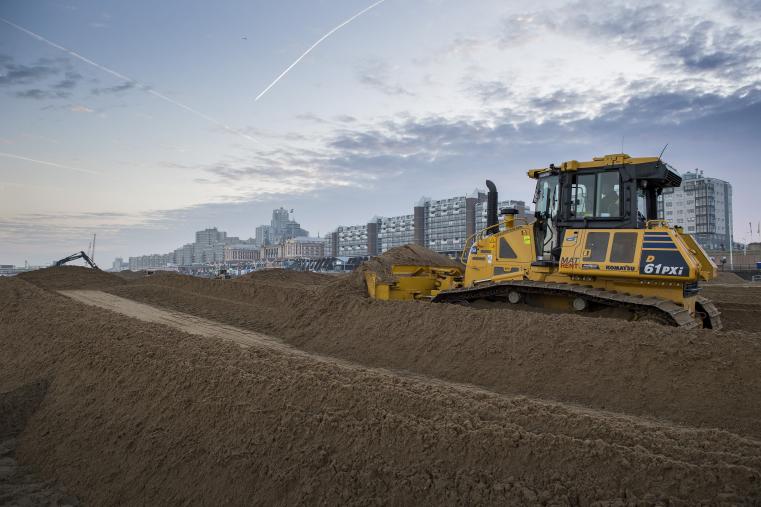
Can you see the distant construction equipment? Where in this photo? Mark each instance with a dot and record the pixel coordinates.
(78, 255)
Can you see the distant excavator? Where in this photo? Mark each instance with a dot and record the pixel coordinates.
(78, 255)
(597, 244)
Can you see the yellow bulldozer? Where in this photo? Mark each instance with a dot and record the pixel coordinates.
(596, 245)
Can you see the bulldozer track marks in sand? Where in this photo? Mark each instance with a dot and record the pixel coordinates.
(178, 320)
(243, 337)
(664, 311)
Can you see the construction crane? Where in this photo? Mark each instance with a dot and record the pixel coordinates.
(78, 255)
(597, 244)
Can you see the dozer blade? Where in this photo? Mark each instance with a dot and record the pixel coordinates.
(661, 310)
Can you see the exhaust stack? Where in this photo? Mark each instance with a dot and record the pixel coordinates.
(492, 219)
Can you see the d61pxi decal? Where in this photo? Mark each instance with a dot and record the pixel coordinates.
(663, 263)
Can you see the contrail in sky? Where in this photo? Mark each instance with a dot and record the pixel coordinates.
(44, 162)
(144, 87)
(282, 75)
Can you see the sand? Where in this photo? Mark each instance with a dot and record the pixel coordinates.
(700, 377)
(727, 278)
(20, 484)
(71, 277)
(367, 402)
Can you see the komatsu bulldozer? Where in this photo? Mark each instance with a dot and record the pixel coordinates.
(596, 245)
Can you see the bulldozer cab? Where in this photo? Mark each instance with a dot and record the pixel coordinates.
(610, 192)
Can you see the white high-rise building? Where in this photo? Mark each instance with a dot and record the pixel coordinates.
(445, 224)
(352, 240)
(396, 231)
(703, 207)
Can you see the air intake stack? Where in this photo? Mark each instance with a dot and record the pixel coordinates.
(492, 219)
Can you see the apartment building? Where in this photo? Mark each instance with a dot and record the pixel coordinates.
(703, 207)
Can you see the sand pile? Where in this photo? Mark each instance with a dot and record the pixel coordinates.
(71, 277)
(283, 277)
(727, 277)
(141, 413)
(700, 378)
(131, 275)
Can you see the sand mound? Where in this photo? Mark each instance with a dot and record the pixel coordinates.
(71, 277)
(131, 275)
(141, 413)
(727, 277)
(285, 277)
(632, 367)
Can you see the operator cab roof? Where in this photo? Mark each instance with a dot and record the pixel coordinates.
(645, 168)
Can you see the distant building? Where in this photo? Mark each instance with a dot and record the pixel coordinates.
(209, 237)
(282, 227)
(352, 240)
(443, 225)
(703, 207)
(183, 256)
(209, 246)
(263, 235)
(280, 217)
(396, 231)
(271, 252)
(151, 262)
(303, 248)
(119, 265)
(446, 227)
(523, 211)
(240, 253)
(331, 244)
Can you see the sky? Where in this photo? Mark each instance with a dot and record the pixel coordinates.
(139, 121)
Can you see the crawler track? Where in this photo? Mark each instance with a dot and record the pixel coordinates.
(661, 310)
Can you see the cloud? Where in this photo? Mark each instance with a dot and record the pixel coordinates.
(376, 74)
(121, 87)
(71, 80)
(13, 74)
(744, 9)
(79, 108)
(518, 29)
(489, 91)
(38, 74)
(359, 157)
(38, 94)
(671, 34)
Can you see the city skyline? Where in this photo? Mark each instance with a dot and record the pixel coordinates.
(160, 134)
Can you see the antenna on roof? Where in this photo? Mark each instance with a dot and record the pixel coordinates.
(662, 152)
(622, 144)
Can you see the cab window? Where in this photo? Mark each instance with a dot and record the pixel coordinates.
(624, 247)
(608, 201)
(597, 246)
(547, 195)
(641, 205)
(583, 196)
